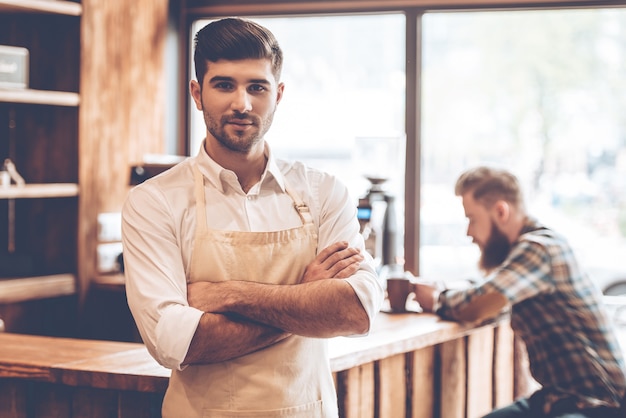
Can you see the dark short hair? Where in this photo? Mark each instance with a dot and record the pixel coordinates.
(235, 39)
(488, 185)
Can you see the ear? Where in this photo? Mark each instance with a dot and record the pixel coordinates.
(502, 211)
(279, 92)
(196, 93)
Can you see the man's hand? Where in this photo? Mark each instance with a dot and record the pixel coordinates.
(337, 261)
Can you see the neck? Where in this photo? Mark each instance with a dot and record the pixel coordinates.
(517, 227)
(248, 166)
(250, 175)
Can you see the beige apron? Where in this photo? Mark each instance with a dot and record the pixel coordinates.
(290, 379)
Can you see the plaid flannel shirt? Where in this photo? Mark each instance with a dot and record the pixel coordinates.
(557, 311)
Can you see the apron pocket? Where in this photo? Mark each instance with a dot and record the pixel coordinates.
(310, 410)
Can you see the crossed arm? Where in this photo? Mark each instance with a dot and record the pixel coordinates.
(243, 317)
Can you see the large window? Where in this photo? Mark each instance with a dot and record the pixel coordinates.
(542, 93)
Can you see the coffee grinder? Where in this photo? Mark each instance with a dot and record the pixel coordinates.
(377, 217)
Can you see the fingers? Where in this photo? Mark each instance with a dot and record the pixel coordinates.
(331, 250)
(338, 260)
(335, 253)
(346, 267)
(348, 271)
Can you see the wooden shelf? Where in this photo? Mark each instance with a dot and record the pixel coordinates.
(39, 287)
(35, 191)
(42, 97)
(42, 6)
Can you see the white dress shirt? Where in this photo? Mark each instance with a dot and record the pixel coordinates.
(159, 222)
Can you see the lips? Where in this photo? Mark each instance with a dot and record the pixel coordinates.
(239, 120)
(240, 123)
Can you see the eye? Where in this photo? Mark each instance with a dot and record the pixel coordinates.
(223, 85)
(257, 88)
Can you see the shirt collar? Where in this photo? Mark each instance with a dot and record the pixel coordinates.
(218, 176)
(531, 224)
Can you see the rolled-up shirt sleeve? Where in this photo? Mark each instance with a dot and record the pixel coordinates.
(156, 285)
(338, 222)
(369, 291)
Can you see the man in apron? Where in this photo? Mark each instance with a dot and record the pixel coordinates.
(239, 266)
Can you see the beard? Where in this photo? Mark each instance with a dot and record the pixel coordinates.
(495, 250)
(239, 141)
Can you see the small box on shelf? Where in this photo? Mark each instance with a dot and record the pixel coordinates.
(13, 67)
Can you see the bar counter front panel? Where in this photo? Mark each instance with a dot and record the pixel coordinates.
(410, 365)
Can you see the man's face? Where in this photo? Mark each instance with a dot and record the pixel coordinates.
(484, 231)
(238, 100)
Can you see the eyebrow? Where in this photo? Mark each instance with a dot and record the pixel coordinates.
(219, 78)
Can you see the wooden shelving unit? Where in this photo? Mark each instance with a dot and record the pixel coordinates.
(39, 127)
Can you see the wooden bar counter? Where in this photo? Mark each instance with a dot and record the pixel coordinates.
(410, 365)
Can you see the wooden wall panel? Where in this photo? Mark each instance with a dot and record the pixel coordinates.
(355, 392)
(453, 379)
(367, 407)
(94, 403)
(479, 372)
(422, 384)
(503, 366)
(49, 400)
(392, 386)
(139, 405)
(122, 106)
(30, 399)
(13, 401)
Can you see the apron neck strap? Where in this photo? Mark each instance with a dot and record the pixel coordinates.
(298, 203)
(200, 203)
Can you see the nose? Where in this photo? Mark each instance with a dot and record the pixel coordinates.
(241, 101)
(471, 234)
